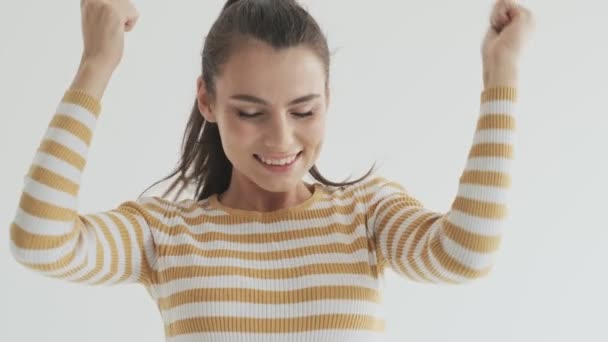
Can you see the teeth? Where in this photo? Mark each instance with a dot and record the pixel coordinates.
(279, 161)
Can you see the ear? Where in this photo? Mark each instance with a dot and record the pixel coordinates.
(203, 101)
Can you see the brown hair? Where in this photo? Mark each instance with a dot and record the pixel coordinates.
(280, 23)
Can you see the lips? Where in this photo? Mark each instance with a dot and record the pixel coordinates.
(295, 159)
(276, 158)
(279, 157)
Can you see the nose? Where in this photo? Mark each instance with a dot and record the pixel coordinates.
(279, 133)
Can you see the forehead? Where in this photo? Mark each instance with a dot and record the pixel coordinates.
(255, 65)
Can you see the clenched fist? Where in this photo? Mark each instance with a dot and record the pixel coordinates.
(104, 23)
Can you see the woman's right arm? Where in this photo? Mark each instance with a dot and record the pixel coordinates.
(47, 234)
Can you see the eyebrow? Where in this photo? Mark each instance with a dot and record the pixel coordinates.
(251, 98)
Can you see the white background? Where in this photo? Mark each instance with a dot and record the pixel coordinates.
(406, 79)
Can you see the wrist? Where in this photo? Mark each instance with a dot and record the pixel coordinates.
(502, 77)
(92, 78)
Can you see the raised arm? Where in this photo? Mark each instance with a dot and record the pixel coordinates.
(47, 234)
(461, 245)
(458, 246)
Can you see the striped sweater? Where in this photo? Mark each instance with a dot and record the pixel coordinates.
(311, 272)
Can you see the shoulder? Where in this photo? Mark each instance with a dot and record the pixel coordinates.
(375, 185)
(161, 208)
(379, 190)
(366, 190)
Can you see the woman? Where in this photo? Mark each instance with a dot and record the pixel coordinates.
(258, 254)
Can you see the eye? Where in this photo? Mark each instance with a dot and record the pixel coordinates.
(303, 114)
(246, 115)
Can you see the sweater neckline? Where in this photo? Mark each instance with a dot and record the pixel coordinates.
(315, 188)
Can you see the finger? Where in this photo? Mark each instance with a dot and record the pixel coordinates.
(132, 15)
(500, 15)
(494, 15)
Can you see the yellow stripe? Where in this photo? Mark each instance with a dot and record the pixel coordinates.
(480, 208)
(26, 240)
(471, 241)
(184, 272)
(53, 180)
(491, 150)
(188, 249)
(113, 257)
(275, 325)
(418, 227)
(99, 257)
(398, 225)
(126, 241)
(489, 178)
(73, 126)
(45, 210)
(496, 121)
(62, 152)
(454, 266)
(59, 264)
(426, 260)
(130, 210)
(499, 93)
(256, 296)
(83, 99)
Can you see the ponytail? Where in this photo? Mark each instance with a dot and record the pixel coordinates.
(228, 4)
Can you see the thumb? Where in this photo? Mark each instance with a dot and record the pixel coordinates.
(132, 15)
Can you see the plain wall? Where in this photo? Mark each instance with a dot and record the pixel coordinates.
(406, 80)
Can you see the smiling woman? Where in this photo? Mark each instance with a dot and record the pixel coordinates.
(258, 254)
(264, 90)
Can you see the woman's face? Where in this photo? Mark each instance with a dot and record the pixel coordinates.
(275, 87)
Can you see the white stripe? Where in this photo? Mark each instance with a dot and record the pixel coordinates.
(105, 247)
(248, 228)
(87, 247)
(474, 224)
(420, 248)
(58, 166)
(271, 311)
(457, 278)
(469, 258)
(67, 139)
(79, 113)
(242, 282)
(37, 225)
(320, 204)
(41, 256)
(50, 195)
(246, 246)
(78, 259)
(136, 250)
(497, 107)
(483, 193)
(404, 226)
(121, 257)
(148, 238)
(489, 164)
(436, 228)
(306, 336)
(167, 262)
(497, 136)
(397, 264)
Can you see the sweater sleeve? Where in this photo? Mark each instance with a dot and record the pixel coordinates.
(48, 235)
(460, 245)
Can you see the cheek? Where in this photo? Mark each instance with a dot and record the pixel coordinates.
(314, 132)
(236, 137)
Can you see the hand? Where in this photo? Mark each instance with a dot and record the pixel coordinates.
(104, 23)
(504, 41)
